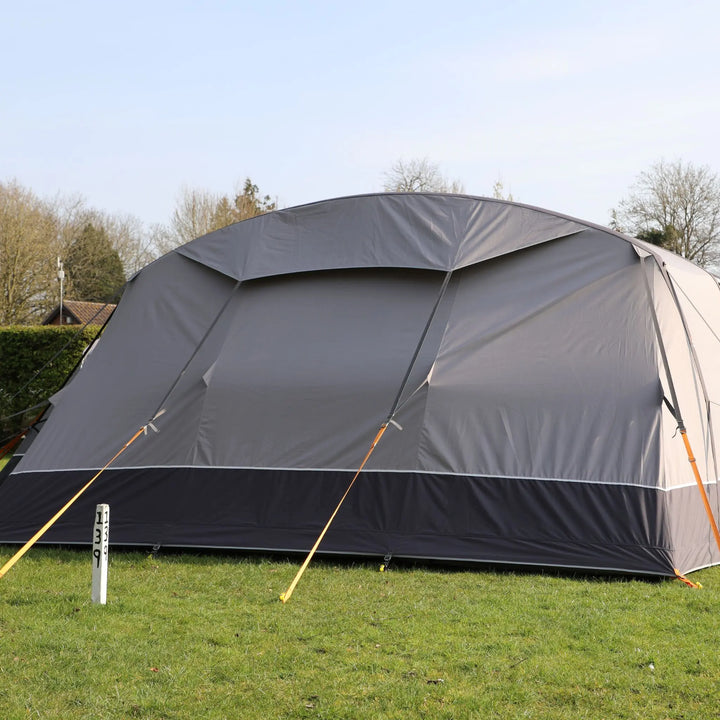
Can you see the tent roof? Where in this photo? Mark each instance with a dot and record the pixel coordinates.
(429, 231)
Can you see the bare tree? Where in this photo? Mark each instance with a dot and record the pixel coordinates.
(34, 232)
(419, 175)
(199, 212)
(192, 217)
(675, 205)
(29, 247)
(498, 191)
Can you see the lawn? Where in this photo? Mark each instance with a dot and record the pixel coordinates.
(202, 636)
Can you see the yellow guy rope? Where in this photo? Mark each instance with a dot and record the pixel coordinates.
(286, 595)
(54, 518)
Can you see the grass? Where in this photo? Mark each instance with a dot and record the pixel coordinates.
(194, 636)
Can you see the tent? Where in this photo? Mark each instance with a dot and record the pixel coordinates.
(532, 370)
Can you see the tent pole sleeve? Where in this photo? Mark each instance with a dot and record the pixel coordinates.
(661, 345)
(678, 416)
(426, 329)
(62, 510)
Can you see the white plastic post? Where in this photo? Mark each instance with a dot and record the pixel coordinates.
(101, 536)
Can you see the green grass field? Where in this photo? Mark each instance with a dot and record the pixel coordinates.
(192, 636)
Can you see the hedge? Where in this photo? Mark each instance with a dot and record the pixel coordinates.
(51, 352)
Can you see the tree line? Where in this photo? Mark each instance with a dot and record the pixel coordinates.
(675, 205)
(99, 251)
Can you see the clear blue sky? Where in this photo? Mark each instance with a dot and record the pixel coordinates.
(567, 102)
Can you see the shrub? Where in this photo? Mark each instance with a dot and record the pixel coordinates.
(34, 364)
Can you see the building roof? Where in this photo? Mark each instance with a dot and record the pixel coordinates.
(83, 313)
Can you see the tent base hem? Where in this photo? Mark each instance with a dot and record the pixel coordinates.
(497, 521)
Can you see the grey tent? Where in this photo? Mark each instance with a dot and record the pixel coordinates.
(535, 369)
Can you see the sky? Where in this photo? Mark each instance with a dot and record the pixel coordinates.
(564, 102)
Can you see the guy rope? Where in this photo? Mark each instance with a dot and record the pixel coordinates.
(390, 421)
(67, 505)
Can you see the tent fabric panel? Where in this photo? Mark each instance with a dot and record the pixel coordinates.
(497, 228)
(156, 328)
(699, 299)
(715, 421)
(693, 542)
(675, 470)
(175, 443)
(491, 520)
(310, 368)
(548, 369)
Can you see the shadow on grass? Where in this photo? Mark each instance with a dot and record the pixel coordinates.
(214, 556)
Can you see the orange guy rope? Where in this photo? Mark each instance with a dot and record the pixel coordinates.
(17, 439)
(10, 446)
(699, 482)
(54, 518)
(689, 583)
(676, 410)
(286, 595)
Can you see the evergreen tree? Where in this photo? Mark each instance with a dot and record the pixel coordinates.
(94, 269)
(665, 238)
